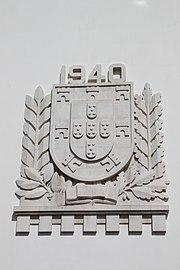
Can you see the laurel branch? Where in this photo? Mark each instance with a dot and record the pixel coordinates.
(36, 168)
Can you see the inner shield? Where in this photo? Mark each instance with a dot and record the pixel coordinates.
(91, 135)
(92, 129)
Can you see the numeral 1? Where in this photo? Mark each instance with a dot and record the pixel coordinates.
(62, 77)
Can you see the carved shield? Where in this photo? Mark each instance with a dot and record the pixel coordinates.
(91, 136)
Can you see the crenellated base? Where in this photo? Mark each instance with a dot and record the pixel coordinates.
(90, 217)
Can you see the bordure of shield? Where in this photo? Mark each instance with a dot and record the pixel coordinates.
(108, 148)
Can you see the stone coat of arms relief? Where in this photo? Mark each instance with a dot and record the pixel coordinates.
(92, 154)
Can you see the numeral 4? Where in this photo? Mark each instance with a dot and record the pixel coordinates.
(96, 75)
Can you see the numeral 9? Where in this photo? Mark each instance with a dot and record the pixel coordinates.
(76, 75)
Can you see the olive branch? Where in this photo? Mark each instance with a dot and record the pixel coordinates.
(145, 178)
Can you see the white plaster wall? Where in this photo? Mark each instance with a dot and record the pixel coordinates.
(36, 38)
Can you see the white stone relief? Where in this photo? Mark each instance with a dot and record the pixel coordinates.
(144, 178)
(93, 146)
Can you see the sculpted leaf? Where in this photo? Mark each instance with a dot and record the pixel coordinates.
(131, 174)
(155, 129)
(43, 161)
(28, 145)
(142, 159)
(43, 147)
(31, 104)
(30, 117)
(45, 103)
(48, 171)
(36, 193)
(22, 171)
(159, 170)
(43, 132)
(155, 115)
(147, 94)
(44, 117)
(33, 174)
(39, 94)
(121, 182)
(141, 117)
(157, 157)
(143, 179)
(140, 103)
(54, 182)
(29, 132)
(58, 183)
(20, 193)
(61, 182)
(26, 183)
(26, 158)
(158, 186)
(156, 143)
(141, 144)
(163, 196)
(165, 180)
(143, 193)
(156, 99)
(141, 131)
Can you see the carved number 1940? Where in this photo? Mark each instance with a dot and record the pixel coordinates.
(77, 74)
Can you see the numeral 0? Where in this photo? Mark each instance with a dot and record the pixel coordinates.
(117, 73)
